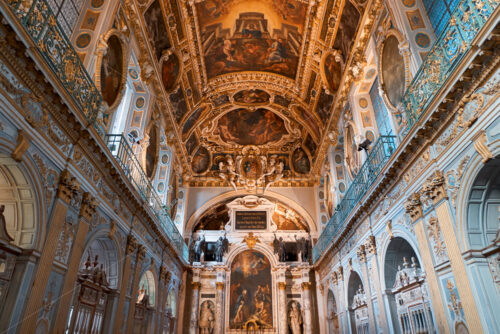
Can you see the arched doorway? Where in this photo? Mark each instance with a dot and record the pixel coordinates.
(96, 288)
(250, 297)
(482, 236)
(357, 304)
(405, 287)
(332, 315)
(145, 304)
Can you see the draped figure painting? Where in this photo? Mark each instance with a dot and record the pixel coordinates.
(250, 293)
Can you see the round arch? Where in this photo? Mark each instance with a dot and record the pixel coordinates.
(26, 197)
(240, 193)
(471, 171)
(147, 287)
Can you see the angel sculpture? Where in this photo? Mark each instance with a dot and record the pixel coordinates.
(221, 247)
(303, 245)
(274, 172)
(227, 171)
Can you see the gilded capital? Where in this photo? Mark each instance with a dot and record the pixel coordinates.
(282, 285)
(371, 245)
(88, 207)
(413, 207)
(340, 272)
(360, 252)
(306, 285)
(438, 189)
(68, 186)
(219, 285)
(131, 244)
(141, 252)
(335, 278)
(196, 285)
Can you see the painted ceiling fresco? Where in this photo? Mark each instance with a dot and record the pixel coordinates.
(251, 82)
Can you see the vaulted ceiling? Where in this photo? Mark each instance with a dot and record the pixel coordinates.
(251, 77)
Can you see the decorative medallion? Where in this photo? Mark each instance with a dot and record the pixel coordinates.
(370, 136)
(422, 40)
(250, 240)
(363, 102)
(133, 73)
(97, 3)
(139, 103)
(370, 73)
(83, 40)
(408, 3)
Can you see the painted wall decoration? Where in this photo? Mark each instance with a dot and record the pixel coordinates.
(201, 160)
(287, 219)
(170, 69)
(258, 35)
(246, 127)
(157, 29)
(324, 106)
(393, 71)
(190, 122)
(83, 40)
(347, 29)
(152, 152)
(332, 71)
(111, 71)
(191, 144)
(309, 119)
(280, 100)
(251, 96)
(220, 100)
(310, 145)
(300, 161)
(250, 305)
(178, 103)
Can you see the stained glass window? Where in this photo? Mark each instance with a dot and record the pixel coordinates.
(439, 12)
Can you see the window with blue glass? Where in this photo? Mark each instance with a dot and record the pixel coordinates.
(66, 13)
(439, 12)
(380, 110)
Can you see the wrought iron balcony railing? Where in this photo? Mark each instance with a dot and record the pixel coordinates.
(124, 155)
(449, 49)
(41, 25)
(369, 171)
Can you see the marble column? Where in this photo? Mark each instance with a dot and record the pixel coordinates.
(141, 252)
(371, 249)
(219, 309)
(282, 309)
(165, 277)
(87, 211)
(367, 287)
(193, 322)
(344, 307)
(306, 292)
(131, 247)
(68, 187)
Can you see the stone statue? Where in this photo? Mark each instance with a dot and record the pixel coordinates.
(274, 172)
(207, 319)
(227, 171)
(295, 318)
(4, 234)
(302, 245)
(279, 248)
(221, 247)
(199, 249)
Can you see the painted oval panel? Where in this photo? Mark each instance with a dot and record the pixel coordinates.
(170, 69)
(300, 161)
(250, 303)
(332, 72)
(393, 71)
(245, 127)
(251, 96)
(201, 160)
(112, 71)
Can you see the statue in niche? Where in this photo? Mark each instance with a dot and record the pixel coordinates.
(279, 248)
(221, 247)
(199, 249)
(207, 318)
(302, 249)
(295, 318)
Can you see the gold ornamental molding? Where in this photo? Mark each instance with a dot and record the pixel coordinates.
(250, 240)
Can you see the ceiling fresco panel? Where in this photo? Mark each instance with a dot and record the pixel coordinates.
(251, 35)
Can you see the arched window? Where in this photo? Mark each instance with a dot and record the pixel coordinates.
(66, 13)
(380, 111)
(439, 12)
